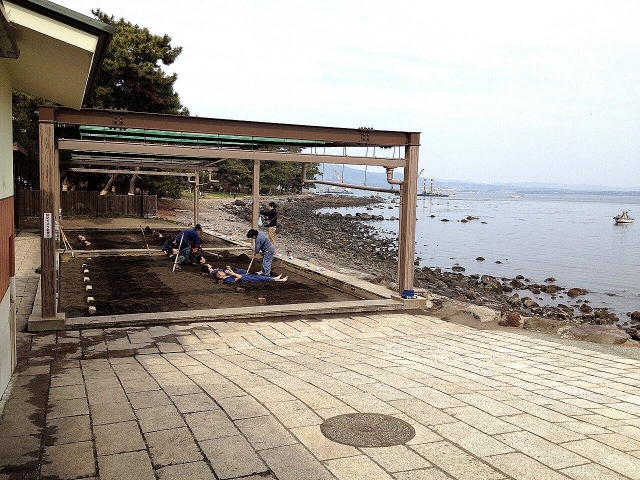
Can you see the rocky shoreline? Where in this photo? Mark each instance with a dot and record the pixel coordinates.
(350, 241)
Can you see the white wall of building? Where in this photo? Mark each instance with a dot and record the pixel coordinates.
(6, 133)
(7, 305)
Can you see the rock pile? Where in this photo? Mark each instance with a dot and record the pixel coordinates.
(359, 245)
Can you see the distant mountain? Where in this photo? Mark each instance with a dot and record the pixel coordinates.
(355, 176)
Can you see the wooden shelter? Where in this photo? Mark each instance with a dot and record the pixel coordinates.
(141, 143)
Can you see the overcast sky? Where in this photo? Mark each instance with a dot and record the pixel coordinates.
(501, 92)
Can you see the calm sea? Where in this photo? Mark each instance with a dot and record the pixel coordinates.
(571, 237)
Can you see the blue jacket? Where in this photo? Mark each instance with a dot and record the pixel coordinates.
(263, 244)
(188, 236)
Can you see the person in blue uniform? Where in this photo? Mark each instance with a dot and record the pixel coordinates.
(241, 275)
(207, 269)
(189, 236)
(191, 255)
(271, 216)
(264, 246)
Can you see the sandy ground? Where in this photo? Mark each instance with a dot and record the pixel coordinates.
(216, 220)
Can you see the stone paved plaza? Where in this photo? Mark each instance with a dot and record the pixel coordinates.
(246, 400)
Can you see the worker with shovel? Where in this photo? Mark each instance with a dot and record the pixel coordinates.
(264, 246)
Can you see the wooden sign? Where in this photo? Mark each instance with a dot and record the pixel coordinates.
(47, 228)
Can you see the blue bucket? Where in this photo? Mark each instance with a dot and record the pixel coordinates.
(408, 294)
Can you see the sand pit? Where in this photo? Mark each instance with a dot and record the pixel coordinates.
(129, 239)
(140, 283)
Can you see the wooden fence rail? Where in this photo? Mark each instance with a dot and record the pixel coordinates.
(84, 202)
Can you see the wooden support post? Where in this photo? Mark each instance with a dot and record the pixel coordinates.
(196, 198)
(304, 176)
(407, 228)
(48, 216)
(255, 212)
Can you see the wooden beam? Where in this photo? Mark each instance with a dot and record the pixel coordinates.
(129, 172)
(255, 211)
(327, 136)
(357, 187)
(206, 152)
(196, 198)
(407, 227)
(48, 216)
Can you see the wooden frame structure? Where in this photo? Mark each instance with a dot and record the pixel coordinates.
(257, 135)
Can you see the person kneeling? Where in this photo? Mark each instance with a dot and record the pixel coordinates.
(241, 275)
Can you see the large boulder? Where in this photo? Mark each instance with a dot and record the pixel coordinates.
(606, 334)
(530, 302)
(491, 283)
(482, 314)
(510, 319)
(515, 301)
(576, 292)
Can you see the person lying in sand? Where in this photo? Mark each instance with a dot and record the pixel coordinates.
(241, 275)
(207, 269)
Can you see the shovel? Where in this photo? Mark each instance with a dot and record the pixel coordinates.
(145, 240)
(175, 262)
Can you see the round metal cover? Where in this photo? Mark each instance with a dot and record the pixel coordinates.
(367, 430)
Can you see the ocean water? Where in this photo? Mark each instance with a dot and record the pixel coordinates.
(570, 237)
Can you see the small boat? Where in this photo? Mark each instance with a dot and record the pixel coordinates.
(623, 217)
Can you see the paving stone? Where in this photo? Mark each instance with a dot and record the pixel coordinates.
(144, 383)
(68, 408)
(591, 471)
(293, 413)
(550, 431)
(68, 461)
(423, 474)
(67, 430)
(66, 392)
(210, 425)
(481, 420)
(159, 418)
(617, 441)
(456, 462)
(171, 447)
(146, 399)
(519, 466)
(552, 455)
(264, 432)
(356, 468)
(606, 456)
(242, 407)
(190, 471)
(221, 390)
(472, 440)
(293, 462)
(398, 458)
(320, 446)
(72, 376)
(19, 451)
(118, 438)
(194, 402)
(111, 413)
(232, 457)
(130, 466)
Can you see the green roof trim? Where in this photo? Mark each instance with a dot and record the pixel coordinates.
(88, 132)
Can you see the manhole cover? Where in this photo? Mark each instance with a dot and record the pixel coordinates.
(367, 430)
